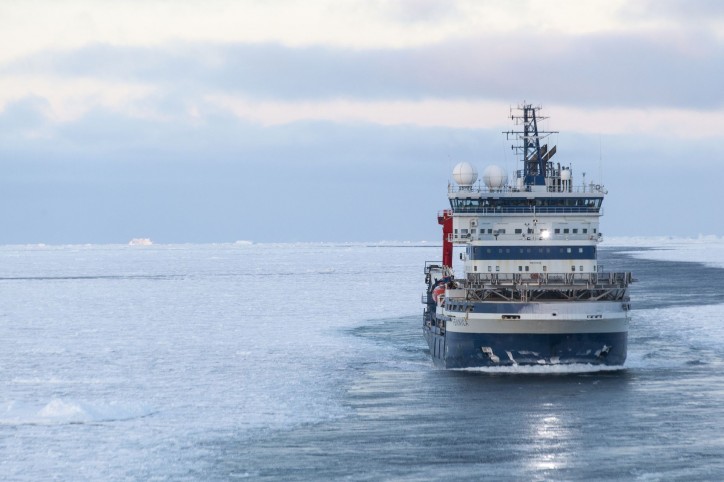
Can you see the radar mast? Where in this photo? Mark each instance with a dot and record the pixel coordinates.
(535, 156)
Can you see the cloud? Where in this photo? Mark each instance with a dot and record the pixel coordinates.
(686, 13)
(263, 121)
(106, 177)
(631, 70)
(38, 25)
(428, 12)
(24, 115)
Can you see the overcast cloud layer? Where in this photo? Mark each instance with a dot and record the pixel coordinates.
(109, 132)
(602, 70)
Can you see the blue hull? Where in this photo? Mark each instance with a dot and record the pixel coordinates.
(465, 350)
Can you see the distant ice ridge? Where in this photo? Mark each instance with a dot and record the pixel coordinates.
(660, 241)
(335, 244)
(238, 243)
(140, 242)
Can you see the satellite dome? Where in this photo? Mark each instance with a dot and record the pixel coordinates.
(465, 174)
(495, 177)
(565, 174)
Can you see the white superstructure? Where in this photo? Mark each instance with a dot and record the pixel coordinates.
(532, 290)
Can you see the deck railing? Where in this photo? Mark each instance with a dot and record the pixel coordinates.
(529, 210)
(620, 279)
(481, 188)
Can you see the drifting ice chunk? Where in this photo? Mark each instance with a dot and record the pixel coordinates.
(140, 242)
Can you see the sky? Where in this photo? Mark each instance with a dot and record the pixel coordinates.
(291, 121)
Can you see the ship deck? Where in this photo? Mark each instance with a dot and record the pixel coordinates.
(530, 287)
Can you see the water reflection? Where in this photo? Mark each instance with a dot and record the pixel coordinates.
(542, 421)
(550, 438)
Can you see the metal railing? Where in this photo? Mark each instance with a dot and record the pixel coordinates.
(481, 188)
(529, 210)
(620, 279)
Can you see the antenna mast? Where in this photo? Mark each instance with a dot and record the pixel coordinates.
(535, 156)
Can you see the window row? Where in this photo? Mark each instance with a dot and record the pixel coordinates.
(523, 202)
(464, 231)
(572, 230)
(527, 268)
(532, 250)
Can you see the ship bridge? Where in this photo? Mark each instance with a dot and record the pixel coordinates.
(542, 222)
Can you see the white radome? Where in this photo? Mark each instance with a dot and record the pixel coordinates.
(565, 174)
(465, 174)
(495, 177)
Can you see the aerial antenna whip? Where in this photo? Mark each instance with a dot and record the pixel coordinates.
(600, 158)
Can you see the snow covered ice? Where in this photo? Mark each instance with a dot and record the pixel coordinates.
(299, 361)
(118, 360)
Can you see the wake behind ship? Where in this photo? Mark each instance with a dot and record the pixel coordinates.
(532, 292)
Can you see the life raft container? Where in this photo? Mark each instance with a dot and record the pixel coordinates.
(438, 292)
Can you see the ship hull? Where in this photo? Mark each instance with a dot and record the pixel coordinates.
(483, 338)
(466, 350)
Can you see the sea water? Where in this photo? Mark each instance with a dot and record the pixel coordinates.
(307, 362)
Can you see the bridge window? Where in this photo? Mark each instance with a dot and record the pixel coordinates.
(520, 205)
(565, 231)
(573, 268)
(585, 230)
(575, 231)
(557, 231)
(518, 231)
(527, 268)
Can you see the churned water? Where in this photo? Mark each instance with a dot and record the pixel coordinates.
(307, 362)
